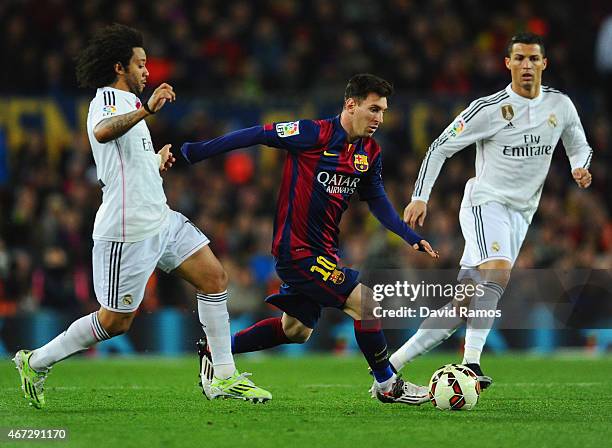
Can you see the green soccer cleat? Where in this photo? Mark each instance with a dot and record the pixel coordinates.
(237, 386)
(32, 382)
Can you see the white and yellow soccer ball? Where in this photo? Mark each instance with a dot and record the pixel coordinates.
(454, 387)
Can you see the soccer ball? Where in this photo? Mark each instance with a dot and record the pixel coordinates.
(454, 387)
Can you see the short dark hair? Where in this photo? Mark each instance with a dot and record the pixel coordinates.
(526, 38)
(360, 86)
(95, 65)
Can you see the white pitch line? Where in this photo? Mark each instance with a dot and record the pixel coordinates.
(496, 385)
(547, 384)
(93, 388)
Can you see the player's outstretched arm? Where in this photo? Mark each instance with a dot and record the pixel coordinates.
(383, 210)
(415, 212)
(471, 125)
(243, 138)
(114, 127)
(292, 136)
(583, 177)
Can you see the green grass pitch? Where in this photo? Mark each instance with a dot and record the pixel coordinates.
(318, 401)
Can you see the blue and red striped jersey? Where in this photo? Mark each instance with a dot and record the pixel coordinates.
(321, 173)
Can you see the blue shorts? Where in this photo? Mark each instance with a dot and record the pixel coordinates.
(311, 284)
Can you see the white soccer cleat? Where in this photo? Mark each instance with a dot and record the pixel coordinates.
(403, 392)
(207, 373)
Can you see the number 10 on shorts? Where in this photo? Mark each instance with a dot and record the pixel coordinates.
(323, 267)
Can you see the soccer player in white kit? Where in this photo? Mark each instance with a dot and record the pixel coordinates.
(515, 131)
(135, 231)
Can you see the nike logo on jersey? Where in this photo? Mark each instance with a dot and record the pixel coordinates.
(330, 154)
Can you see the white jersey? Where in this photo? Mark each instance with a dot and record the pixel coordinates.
(133, 202)
(515, 138)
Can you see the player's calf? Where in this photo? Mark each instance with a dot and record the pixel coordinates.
(115, 323)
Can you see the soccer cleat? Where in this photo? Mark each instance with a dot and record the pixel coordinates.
(237, 386)
(32, 382)
(403, 392)
(206, 374)
(373, 389)
(374, 386)
(484, 380)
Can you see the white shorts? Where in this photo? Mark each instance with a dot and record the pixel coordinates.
(121, 270)
(492, 231)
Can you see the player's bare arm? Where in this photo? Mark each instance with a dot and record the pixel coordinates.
(583, 177)
(114, 127)
(415, 212)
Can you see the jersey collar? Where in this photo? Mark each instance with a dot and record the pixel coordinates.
(521, 99)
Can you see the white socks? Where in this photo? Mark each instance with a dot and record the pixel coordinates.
(87, 331)
(80, 335)
(432, 332)
(385, 386)
(478, 328)
(212, 309)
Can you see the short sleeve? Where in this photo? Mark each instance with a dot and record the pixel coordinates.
(108, 104)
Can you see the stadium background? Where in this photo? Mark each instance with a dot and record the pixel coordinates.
(238, 63)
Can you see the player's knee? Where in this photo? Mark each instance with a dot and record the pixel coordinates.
(214, 281)
(497, 271)
(298, 333)
(300, 336)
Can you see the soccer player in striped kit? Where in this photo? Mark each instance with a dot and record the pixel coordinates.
(327, 162)
(135, 231)
(515, 131)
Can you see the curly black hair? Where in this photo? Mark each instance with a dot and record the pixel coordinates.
(95, 65)
(360, 86)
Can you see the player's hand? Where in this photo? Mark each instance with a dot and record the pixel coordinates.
(163, 93)
(582, 177)
(424, 246)
(415, 212)
(167, 158)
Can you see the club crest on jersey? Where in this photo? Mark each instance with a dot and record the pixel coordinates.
(456, 128)
(361, 162)
(507, 112)
(288, 129)
(337, 277)
(552, 121)
(495, 246)
(127, 299)
(109, 109)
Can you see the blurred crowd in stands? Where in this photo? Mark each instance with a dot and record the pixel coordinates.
(250, 49)
(301, 52)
